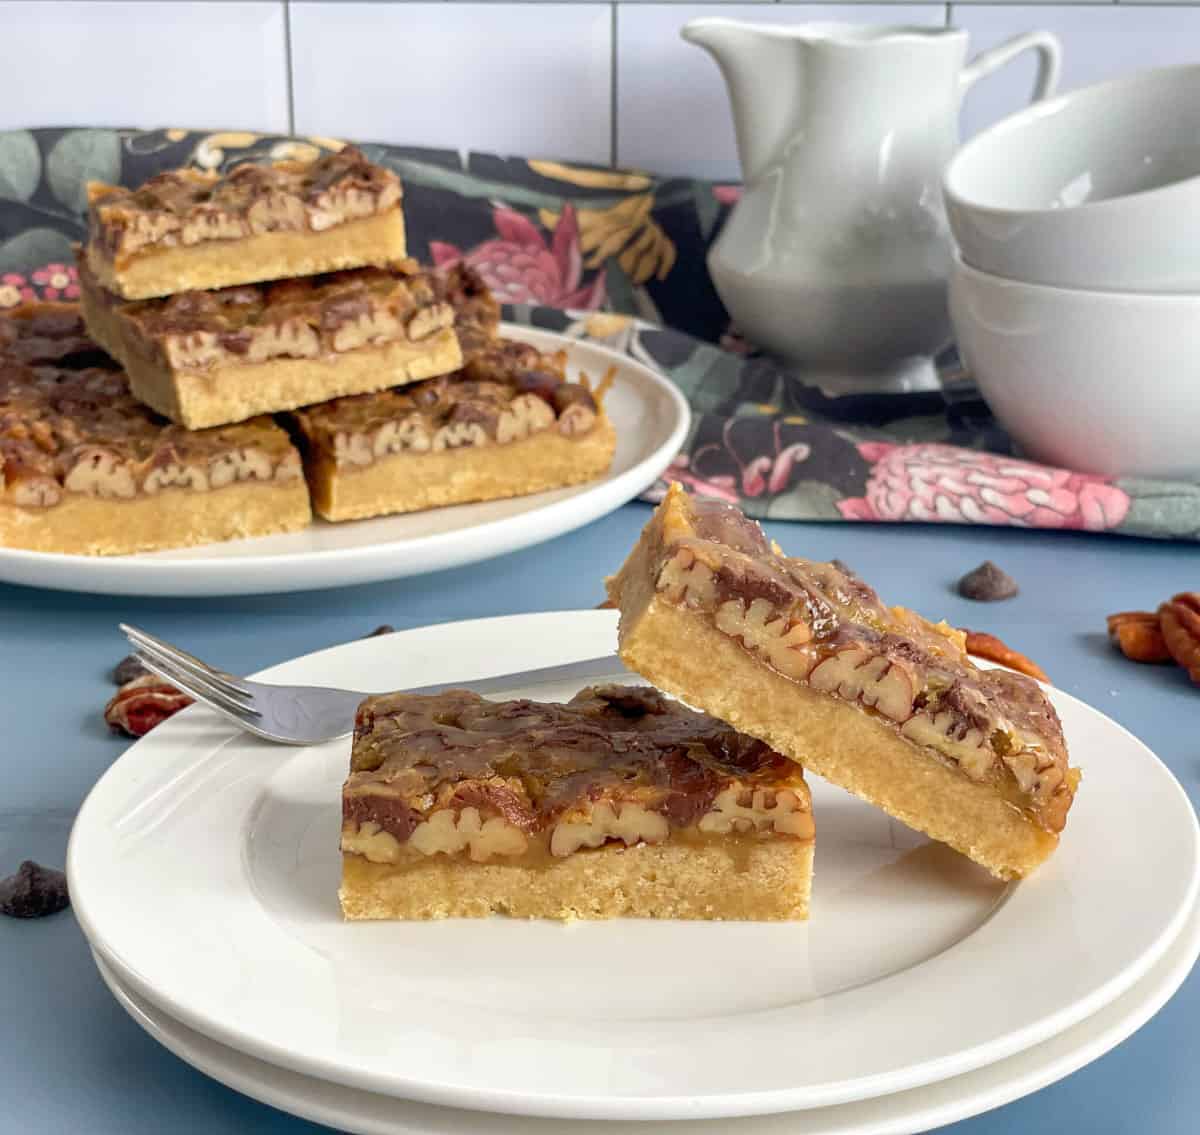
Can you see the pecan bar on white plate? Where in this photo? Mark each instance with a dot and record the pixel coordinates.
(86, 468)
(507, 424)
(876, 699)
(208, 358)
(617, 803)
(187, 229)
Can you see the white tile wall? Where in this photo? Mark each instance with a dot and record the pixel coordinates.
(517, 78)
(591, 81)
(111, 63)
(672, 111)
(1097, 42)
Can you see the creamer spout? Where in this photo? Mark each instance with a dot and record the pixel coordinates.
(763, 71)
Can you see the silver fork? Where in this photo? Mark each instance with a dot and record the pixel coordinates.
(311, 715)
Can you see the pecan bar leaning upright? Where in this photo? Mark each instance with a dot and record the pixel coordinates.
(619, 802)
(508, 424)
(805, 656)
(209, 358)
(186, 229)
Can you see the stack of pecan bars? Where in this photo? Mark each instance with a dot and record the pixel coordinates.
(256, 311)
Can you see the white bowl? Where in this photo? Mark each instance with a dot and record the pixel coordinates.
(1098, 189)
(1099, 382)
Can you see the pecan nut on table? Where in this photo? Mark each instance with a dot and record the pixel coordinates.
(1169, 634)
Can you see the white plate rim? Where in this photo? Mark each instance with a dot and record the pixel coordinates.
(917, 1109)
(954, 1062)
(391, 559)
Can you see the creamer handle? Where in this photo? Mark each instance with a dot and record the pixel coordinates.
(1049, 61)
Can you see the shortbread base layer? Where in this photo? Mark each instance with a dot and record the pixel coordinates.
(742, 878)
(174, 518)
(412, 482)
(367, 242)
(683, 654)
(229, 393)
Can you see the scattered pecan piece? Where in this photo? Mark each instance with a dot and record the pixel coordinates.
(1180, 619)
(994, 650)
(1138, 635)
(33, 892)
(987, 583)
(138, 706)
(384, 628)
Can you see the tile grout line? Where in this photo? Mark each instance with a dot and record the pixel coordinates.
(612, 87)
(289, 78)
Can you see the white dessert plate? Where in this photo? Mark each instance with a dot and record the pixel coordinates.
(204, 867)
(651, 419)
(919, 1109)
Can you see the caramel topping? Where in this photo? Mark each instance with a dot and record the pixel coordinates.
(476, 310)
(303, 318)
(506, 392)
(534, 765)
(187, 207)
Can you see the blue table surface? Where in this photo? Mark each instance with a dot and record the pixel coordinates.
(70, 1059)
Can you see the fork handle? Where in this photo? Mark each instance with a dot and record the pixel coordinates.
(610, 666)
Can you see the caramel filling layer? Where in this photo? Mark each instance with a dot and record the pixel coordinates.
(506, 392)
(458, 775)
(467, 834)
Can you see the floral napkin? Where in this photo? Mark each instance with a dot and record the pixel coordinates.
(619, 257)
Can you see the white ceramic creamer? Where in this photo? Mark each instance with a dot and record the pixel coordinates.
(837, 255)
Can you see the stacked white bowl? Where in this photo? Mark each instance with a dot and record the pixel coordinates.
(1075, 296)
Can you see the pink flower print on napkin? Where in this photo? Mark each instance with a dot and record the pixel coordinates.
(764, 474)
(57, 281)
(952, 485)
(769, 473)
(520, 266)
(14, 289)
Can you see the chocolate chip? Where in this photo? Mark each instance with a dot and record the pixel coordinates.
(33, 892)
(386, 628)
(987, 583)
(127, 669)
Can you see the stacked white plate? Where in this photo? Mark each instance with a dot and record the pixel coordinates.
(204, 865)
